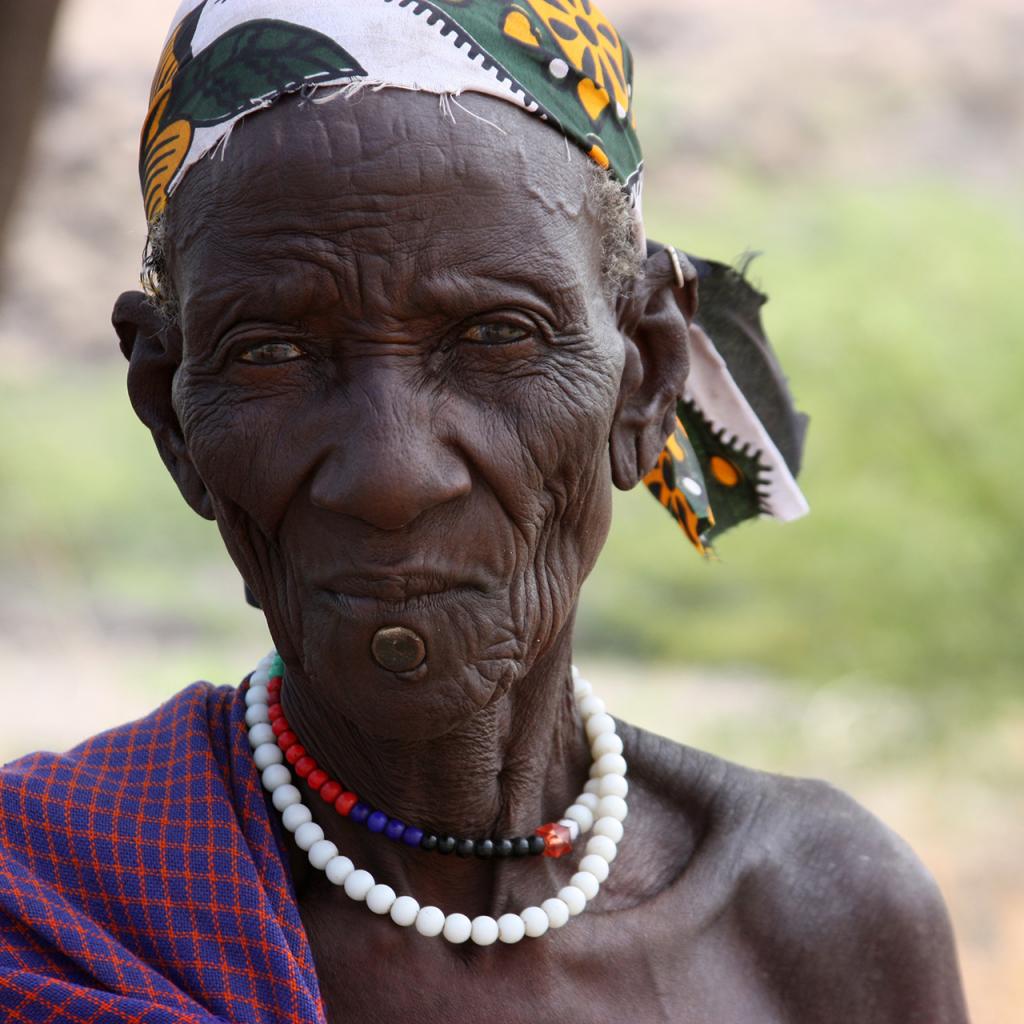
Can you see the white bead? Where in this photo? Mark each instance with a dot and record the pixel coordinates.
(582, 815)
(296, 816)
(275, 776)
(511, 927)
(338, 870)
(358, 884)
(573, 826)
(457, 928)
(606, 743)
(574, 899)
(592, 786)
(557, 912)
(581, 688)
(260, 677)
(603, 847)
(608, 764)
(586, 883)
(613, 785)
(610, 827)
(267, 754)
(599, 725)
(256, 695)
(261, 733)
(535, 921)
(588, 800)
(575, 672)
(484, 930)
(430, 921)
(285, 796)
(381, 898)
(612, 807)
(256, 714)
(591, 705)
(308, 834)
(594, 865)
(404, 910)
(321, 853)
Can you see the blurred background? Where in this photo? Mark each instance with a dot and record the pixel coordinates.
(872, 153)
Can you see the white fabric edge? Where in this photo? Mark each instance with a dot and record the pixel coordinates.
(711, 388)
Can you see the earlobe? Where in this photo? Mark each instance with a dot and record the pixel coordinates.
(153, 351)
(653, 322)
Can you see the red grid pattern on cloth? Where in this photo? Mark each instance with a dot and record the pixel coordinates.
(142, 878)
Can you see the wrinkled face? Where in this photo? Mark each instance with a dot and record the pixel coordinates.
(398, 378)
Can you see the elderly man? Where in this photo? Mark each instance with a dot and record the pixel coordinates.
(401, 343)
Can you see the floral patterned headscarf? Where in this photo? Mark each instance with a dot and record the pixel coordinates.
(561, 60)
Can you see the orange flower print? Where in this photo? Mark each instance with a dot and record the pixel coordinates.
(592, 46)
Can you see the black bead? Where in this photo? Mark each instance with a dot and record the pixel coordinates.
(445, 844)
(429, 841)
(503, 848)
(520, 846)
(464, 847)
(484, 848)
(536, 844)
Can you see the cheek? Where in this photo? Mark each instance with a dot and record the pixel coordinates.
(248, 454)
(555, 435)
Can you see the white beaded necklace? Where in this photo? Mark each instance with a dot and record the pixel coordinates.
(602, 806)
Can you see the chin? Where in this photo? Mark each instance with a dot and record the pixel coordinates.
(473, 657)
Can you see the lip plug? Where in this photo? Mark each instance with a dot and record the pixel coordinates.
(398, 649)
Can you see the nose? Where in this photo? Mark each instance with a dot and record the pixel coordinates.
(389, 461)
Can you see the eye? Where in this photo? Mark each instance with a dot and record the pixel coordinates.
(496, 333)
(268, 353)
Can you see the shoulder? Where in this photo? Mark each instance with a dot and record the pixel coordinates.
(44, 793)
(829, 902)
(845, 908)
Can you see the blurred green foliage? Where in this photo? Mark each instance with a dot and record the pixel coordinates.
(895, 312)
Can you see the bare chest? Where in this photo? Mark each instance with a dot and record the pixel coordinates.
(636, 966)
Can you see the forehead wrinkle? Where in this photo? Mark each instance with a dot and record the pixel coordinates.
(409, 141)
(391, 193)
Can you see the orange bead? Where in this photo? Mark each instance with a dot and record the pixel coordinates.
(557, 841)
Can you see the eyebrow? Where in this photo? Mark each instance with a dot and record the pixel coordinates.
(452, 293)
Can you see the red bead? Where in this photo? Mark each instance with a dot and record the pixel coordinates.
(557, 840)
(345, 803)
(286, 740)
(294, 752)
(330, 791)
(304, 766)
(274, 683)
(280, 725)
(315, 779)
(274, 712)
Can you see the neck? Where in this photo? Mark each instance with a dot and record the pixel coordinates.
(516, 764)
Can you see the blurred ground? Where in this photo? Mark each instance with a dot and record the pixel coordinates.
(873, 151)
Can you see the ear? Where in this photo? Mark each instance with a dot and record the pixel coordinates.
(653, 319)
(153, 350)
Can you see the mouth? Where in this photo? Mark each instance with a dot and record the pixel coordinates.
(400, 591)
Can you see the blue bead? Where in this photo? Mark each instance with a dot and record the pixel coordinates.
(412, 835)
(394, 828)
(360, 812)
(376, 821)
